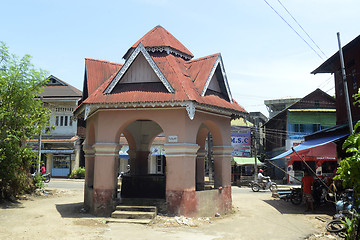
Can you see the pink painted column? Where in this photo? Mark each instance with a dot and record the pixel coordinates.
(200, 169)
(222, 171)
(105, 178)
(180, 178)
(89, 176)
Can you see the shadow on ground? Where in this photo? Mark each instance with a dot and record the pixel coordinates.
(72, 210)
(7, 204)
(285, 207)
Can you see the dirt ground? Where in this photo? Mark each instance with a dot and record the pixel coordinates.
(58, 214)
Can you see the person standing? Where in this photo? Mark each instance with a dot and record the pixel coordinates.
(307, 189)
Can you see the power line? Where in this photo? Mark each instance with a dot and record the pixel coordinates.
(302, 28)
(294, 30)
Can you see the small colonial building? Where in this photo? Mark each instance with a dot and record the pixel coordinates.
(60, 145)
(160, 91)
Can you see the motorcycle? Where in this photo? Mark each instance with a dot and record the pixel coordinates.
(294, 195)
(263, 185)
(45, 177)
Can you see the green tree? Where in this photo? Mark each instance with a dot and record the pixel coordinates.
(21, 117)
(349, 168)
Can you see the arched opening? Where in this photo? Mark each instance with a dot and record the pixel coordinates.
(208, 136)
(142, 160)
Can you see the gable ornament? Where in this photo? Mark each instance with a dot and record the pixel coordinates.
(190, 108)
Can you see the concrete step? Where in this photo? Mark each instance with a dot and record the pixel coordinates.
(133, 215)
(136, 208)
(134, 212)
(137, 221)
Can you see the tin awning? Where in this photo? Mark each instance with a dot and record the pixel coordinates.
(310, 144)
(245, 161)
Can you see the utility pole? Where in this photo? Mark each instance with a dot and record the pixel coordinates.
(345, 86)
(39, 160)
(255, 154)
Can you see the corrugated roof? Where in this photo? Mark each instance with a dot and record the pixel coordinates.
(56, 91)
(199, 70)
(312, 110)
(329, 65)
(187, 78)
(98, 71)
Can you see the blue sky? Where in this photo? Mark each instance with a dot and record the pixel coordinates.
(264, 58)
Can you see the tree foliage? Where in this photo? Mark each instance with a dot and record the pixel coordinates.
(349, 168)
(21, 117)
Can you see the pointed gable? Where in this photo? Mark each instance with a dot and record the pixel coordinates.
(160, 73)
(139, 60)
(158, 39)
(209, 76)
(56, 88)
(317, 99)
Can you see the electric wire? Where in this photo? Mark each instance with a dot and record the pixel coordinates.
(302, 28)
(294, 30)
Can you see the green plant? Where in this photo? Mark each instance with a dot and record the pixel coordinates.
(349, 168)
(38, 181)
(78, 173)
(351, 226)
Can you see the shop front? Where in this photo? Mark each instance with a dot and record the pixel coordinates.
(319, 155)
(59, 162)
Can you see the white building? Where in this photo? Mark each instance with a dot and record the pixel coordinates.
(60, 145)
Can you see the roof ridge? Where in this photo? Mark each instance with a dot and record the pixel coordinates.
(104, 61)
(203, 58)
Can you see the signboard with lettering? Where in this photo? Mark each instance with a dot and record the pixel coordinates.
(241, 142)
(172, 139)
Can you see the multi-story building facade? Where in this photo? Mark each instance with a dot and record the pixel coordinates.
(60, 145)
(288, 128)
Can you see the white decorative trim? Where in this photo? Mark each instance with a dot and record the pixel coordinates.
(213, 69)
(171, 104)
(87, 111)
(190, 108)
(169, 50)
(130, 60)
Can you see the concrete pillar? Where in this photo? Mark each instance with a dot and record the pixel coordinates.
(222, 171)
(200, 169)
(180, 178)
(141, 162)
(49, 162)
(132, 159)
(106, 166)
(77, 156)
(89, 177)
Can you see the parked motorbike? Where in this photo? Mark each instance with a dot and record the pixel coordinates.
(319, 193)
(294, 195)
(345, 209)
(45, 177)
(263, 185)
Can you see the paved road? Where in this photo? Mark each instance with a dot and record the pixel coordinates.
(60, 183)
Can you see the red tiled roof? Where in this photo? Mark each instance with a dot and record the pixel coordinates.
(199, 70)
(176, 73)
(187, 78)
(159, 37)
(97, 71)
